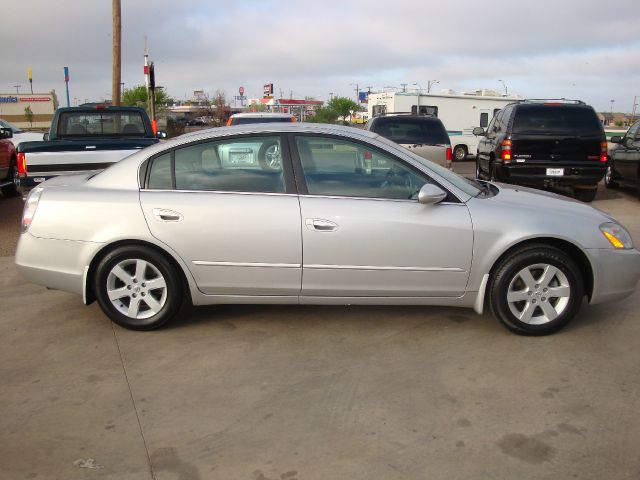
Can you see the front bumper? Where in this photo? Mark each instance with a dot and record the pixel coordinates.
(55, 264)
(616, 273)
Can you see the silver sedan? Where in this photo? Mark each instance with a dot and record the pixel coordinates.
(341, 216)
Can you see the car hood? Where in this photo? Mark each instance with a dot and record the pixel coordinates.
(541, 201)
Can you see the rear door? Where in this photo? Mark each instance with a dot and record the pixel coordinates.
(229, 209)
(364, 233)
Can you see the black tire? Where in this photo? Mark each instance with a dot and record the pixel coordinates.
(270, 156)
(166, 300)
(609, 178)
(479, 173)
(508, 284)
(585, 194)
(13, 189)
(493, 174)
(459, 153)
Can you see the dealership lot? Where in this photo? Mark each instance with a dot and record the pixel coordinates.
(265, 392)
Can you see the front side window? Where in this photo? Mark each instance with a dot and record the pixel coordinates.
(252, 164)
(340, 168)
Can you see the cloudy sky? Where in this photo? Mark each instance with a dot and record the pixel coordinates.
(584, 49)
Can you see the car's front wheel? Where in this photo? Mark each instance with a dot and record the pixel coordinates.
(138, 288)
(536, 290)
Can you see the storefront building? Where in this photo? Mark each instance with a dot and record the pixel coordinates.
(28, 110)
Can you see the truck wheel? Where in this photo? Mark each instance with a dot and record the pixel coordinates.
(270, 157)
(536, 290)
(138, 288)
(585, 194)
(13, 189)
(460, 153)
(608, 178)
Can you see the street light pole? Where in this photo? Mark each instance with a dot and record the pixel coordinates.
(506, 91)
(431, 83)
(419, 93)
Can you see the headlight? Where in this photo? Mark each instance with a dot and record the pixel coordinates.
(617, 235)
(30, 208)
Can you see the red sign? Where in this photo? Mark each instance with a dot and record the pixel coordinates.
(35, 99)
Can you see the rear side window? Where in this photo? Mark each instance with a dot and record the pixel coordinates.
(412, 130)
(540, 119)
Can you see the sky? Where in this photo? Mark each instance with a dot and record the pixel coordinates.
(582, 49)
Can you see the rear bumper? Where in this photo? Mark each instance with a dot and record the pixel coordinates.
(616, 273)
(535, 174)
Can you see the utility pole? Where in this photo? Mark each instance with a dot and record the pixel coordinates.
(17, 87)
(431, 83)
(404, 87)
(117, 52)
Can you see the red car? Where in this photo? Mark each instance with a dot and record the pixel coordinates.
(9, 172)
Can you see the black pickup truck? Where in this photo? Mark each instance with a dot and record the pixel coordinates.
(84, 139)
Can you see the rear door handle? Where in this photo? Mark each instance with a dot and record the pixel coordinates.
(167, 215)
(320, 225)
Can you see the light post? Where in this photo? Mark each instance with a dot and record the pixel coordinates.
(419, 93)
(612, 102)
(17, 87)
(357, 93)
(506, 91)
(431, 83)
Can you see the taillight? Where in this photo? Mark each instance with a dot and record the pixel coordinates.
(448, 153)
(506, 151)
(603, 151)
(229, 123)
(30, 208)
(22, 163)
(294, 119)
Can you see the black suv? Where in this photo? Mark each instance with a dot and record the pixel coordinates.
(544, 143)
(424, 135)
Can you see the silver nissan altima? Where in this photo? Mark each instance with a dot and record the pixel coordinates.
(316, 214)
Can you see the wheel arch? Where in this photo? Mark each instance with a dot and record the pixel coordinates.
(89, 293)
(572, 250)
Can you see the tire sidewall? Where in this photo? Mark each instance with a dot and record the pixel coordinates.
(172, 280)
(514, 264)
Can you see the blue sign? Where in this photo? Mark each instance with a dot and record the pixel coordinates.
(363, 96)
(8, 99)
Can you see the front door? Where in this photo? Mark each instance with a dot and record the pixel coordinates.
(365, 234)
(228, 209)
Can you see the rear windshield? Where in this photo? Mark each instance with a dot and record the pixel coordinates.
(549, 120)
(412, 130)
(245, 120)
(100, 123)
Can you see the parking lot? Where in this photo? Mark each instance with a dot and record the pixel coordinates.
(308, 392)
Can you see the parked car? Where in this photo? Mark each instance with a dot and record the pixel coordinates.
(424, 135)
(259, 117)
(349, 217)
(624, 160)
(544, 143)
(9, 174)
(19, 135)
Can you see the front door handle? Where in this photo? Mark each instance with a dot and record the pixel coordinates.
(167, 215)
(320, 225)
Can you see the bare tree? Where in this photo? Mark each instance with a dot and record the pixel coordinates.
(117, 52)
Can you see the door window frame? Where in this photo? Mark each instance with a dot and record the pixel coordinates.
(287, 167)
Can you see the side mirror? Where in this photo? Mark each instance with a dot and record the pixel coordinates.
(6, 132)
(430, 194)
(479, 132)
(161, 134)
(616, 139)
(45, 137)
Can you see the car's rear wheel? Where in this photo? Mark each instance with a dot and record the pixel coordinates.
(13, 189)
(608, 178)
(270, 156)
(536, 290)
(585, 194)
(460, 153)
(138, 288)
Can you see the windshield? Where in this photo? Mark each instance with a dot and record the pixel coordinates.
(551, 120)
(5, 124)
(412, 130)
(101, 123)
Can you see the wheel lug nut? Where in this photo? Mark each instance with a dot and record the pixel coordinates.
(532, 301)
(543, 298)
(128, 287)
(536, 285)
(144, 285)
(530, 293)
(135, 281)
(544, 289)
(134, 296)
(142, 294)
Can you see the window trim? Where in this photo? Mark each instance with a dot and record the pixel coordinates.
(301, 183)
(287, 169)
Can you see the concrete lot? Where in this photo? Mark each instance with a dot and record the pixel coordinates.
(286, 393)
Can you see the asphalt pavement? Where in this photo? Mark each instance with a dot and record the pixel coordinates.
(304, 392)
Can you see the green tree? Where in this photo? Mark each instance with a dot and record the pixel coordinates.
(28, 115)
(323, 115)
(343, 106)
(137, 97)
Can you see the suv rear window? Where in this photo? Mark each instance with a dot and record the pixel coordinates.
(550, 120)
(412, 130)
(246, 120)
